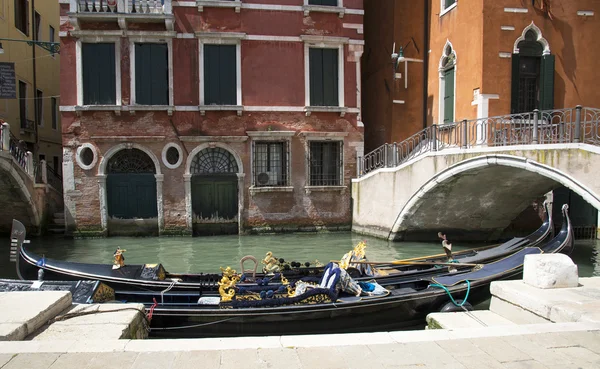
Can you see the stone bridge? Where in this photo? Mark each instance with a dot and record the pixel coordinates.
(28, 192)
(473, 178)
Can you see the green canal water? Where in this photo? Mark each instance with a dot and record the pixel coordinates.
(207, 254)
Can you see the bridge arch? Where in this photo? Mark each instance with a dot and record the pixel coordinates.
(549, 178)
(11, 175)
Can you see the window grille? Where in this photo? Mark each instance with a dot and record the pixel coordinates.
(325, 163)
(212, 161)
(270, 166)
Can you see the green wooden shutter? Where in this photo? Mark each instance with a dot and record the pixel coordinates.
(220, 75)
(151, 74)
(330, 77)
(514, 90)
(99, 79)
(449, 95)
(316, 77)
(547, 83)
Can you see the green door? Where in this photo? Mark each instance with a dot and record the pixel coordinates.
(132, 195)
(449, 95)
(214, 197)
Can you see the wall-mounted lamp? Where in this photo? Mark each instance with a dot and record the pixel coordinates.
(53, 47)
(398, 57)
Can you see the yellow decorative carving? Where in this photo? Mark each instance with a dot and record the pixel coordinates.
(228, 281)
(356, 254)
(119, 258)
(271, 263)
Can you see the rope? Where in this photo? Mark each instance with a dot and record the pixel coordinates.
(191, 326)
(162, 293)
(151, 312)
(450, 295)
(88, 312)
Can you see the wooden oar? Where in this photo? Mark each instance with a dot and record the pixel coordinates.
(402, 262)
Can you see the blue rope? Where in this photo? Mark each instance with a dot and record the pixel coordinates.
(449, 294)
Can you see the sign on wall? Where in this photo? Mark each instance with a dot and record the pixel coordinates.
(8, 85)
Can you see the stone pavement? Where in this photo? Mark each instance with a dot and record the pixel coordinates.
(548, 345)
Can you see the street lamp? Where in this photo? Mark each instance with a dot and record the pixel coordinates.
(53, 47)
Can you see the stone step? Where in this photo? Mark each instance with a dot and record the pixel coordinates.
(59, 215)
(24, 312)
(470, 319)
(112, 322)
(55, 230)
(59, 221)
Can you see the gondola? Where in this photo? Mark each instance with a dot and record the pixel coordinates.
(332, 305)
(155, 277)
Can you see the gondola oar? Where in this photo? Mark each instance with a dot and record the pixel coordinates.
(402, 262)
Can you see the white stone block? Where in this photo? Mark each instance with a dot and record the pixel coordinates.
(550, 271)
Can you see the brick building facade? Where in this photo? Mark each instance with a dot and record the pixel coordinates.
(470, 59)
(208, 117)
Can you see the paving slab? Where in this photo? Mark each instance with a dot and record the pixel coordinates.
(462, 319)
(24, 312)
(514, 313)
(98, 322)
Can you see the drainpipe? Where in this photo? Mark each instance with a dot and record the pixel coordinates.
(425, 58)
(35, 98)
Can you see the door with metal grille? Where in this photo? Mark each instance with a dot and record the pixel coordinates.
(131, 186)
(214, 187)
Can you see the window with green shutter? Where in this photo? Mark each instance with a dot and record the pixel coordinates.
(447, 84)
(151, 74)
(220, 76)
(324, 79)
(323, 2)
(449, 95)
(99, 78)
(532, 80)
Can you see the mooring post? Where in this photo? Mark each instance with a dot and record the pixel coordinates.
(577, 134)
(465, 135)
(534, 138)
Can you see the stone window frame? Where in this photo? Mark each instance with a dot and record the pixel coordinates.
(274, 136)
(445, 9)
(220, 38)
(325, 42)
(324, 137)
(340, 9)
(79, 152)
(157, 38)
(101, 37)
(164, 155)
(442, 84)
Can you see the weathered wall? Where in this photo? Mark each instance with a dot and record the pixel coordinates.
(273, 99)
(476, 199)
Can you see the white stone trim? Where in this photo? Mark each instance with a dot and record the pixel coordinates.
(221, 38)
(324, 42)
(444, 10)
(505, 55)
(585, 13)
(398, 101)
(507, 28)
(79, 67)
(273, 7)
(164, 155)
(307, 8)
(357, 26)
(539, 39)
(273, 38)
(482, 101)
(80, 149)
(270, 135)
(323, 136)
(442, 82)
(236, 4)
(516, 10)
(185, 35)
(156, 40)
(274, 108)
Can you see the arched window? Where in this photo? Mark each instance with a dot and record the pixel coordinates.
(447, 71)
(532, 80)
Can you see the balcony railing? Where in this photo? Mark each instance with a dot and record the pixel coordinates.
(121, 6)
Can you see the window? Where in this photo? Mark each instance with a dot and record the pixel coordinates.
(220, 76)
(22, 16)
(447, 84)
(532, 75)
(270, 164)
(38, 30)
(151, 74)
(51, 35)
(447, 5)
(99, 81)
(39, 113)
(325, 163)
(54, 107)
(23, 106)
(324, 83)
(323, 2)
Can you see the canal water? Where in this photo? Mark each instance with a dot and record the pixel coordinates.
(207, 254)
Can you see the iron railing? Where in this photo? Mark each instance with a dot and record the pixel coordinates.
(18, 151)
(574, 125)
(54, 179)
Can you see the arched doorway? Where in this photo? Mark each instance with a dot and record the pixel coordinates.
(214, 187)
(131, 194)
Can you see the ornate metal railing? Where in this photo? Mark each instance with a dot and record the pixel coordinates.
(53, 178)
(577, 124)
(122, 6)
(18, 151)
